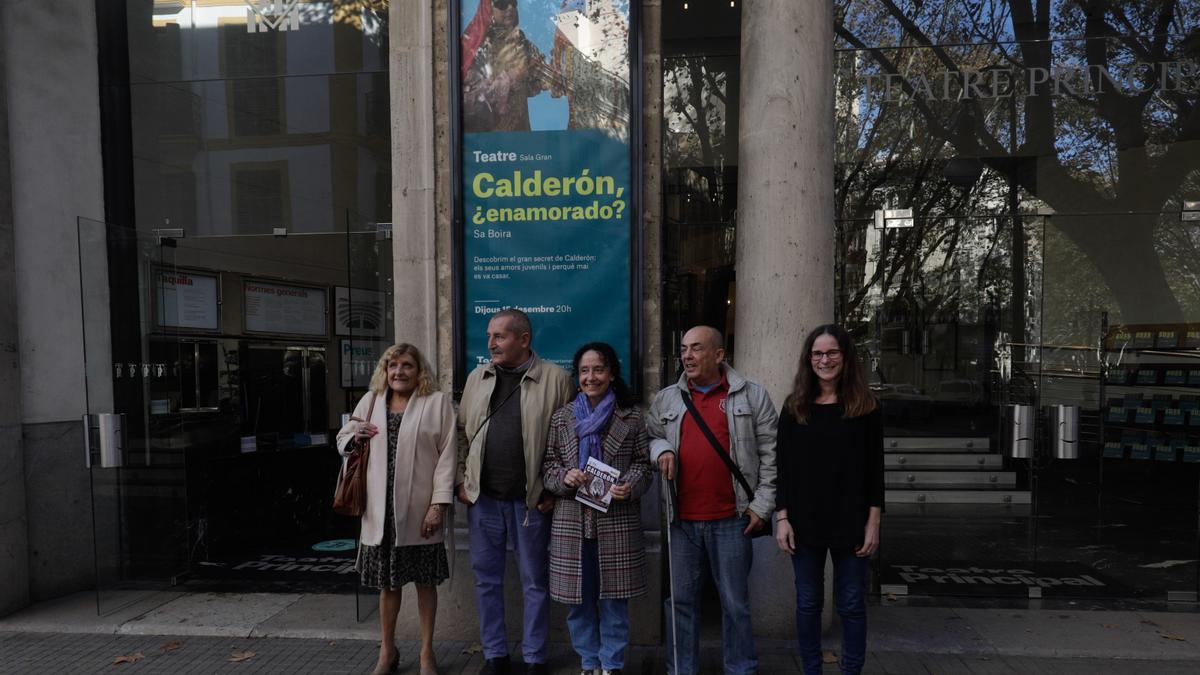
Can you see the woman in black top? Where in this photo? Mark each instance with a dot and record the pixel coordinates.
(830, 490)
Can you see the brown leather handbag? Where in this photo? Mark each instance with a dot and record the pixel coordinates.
(350, 497)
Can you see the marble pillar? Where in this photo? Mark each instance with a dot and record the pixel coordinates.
(413, 170)
(785, 228)
(652, 205)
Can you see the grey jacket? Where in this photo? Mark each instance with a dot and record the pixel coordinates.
(752, 421)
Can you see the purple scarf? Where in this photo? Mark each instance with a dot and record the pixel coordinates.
(589, 422)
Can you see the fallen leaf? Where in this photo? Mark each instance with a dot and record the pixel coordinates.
(171, 646)
(471, 650)
(828, 657)
(240, 655)
(1109, 625)
(129, 658)
(1148, 622)
(1168, 636)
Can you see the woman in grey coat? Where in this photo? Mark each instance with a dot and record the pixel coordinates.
(597, 559)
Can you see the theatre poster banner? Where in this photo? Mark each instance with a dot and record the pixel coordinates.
(546, 171)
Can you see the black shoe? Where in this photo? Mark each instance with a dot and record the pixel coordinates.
(501, 665)
(537, 669)
(614, 671)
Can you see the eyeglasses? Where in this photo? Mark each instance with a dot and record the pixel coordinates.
(833, 354)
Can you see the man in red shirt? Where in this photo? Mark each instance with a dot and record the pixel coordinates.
(716, 516)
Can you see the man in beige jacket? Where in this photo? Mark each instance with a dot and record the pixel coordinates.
(505, 412)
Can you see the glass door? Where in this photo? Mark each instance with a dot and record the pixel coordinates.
(369, 275)
(134, 375)
(218, 372)
(304, 316)
(1123, 504)
(941, 310)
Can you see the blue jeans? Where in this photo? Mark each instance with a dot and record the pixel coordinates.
(730, 555)
(494, 523)
(850, 594)
(599, 628)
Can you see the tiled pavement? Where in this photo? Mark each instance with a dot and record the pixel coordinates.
(319, 633)
(25, 652)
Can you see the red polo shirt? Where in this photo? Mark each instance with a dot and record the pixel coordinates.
(705, 486)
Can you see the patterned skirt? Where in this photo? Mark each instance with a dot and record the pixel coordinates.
(390, 567)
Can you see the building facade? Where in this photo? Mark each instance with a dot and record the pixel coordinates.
(216, 229)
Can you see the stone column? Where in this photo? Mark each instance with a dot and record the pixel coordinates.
(413, 240)
(444, 193)
(785, 229)
(57, 176)
(652, 122)
(14, 525)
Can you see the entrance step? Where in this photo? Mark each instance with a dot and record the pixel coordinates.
(1003, 497)
(956, 461)
(955, 512)
(937, 444)
(979, 480)
(948, 470)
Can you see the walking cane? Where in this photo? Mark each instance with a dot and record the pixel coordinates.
(669, 496)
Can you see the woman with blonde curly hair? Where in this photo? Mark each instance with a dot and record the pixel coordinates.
(410, 482)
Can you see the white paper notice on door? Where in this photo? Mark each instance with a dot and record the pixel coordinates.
(279, 308)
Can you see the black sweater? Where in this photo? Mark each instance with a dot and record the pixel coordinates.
(830, 474)
(503, 473)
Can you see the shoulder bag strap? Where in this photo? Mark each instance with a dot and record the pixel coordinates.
(712, 439)
(491, 412)
(370, 412)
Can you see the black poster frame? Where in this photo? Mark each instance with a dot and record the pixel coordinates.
(633, 370)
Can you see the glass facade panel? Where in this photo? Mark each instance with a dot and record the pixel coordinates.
(1087, 114)
(244, 121)
(1018, 224)
(251, 287)
(700, 155)
(1013, 184)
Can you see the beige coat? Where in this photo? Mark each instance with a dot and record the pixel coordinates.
(544, 388)
(426, 448)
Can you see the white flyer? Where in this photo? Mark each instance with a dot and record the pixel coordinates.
(596, 489)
